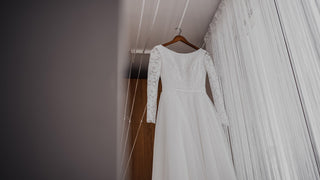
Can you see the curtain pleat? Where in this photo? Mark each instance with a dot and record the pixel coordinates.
(267, 57)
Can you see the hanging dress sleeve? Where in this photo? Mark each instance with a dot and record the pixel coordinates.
(154, 69)
(216, 89)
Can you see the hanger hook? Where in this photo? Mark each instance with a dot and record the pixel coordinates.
(180, 30)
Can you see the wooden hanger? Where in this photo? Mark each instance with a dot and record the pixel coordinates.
(180, 38)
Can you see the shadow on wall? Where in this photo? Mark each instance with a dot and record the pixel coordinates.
(60, 79)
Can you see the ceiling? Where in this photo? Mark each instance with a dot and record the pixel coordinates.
(194, 26)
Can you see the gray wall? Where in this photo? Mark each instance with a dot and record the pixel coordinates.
(60, 86)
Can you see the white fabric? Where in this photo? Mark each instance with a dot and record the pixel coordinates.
(269, 133)
(303, 37)
(189, 140)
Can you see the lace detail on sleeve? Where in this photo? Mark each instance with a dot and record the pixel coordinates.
(154, 68)
(216, 89)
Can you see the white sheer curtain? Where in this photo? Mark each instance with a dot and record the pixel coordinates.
(301, 28)
(269, 69)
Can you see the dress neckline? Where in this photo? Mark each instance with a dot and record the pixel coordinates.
(193, 52)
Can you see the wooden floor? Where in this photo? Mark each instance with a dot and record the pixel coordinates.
(141, 160)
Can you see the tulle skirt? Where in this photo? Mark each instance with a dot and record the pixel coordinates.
(189, 140)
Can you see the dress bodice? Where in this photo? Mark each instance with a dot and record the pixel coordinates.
(182, 72)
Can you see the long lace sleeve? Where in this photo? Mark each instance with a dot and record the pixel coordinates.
(216, 89)
(154, 68)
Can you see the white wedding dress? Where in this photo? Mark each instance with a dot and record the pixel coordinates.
(189, 140)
